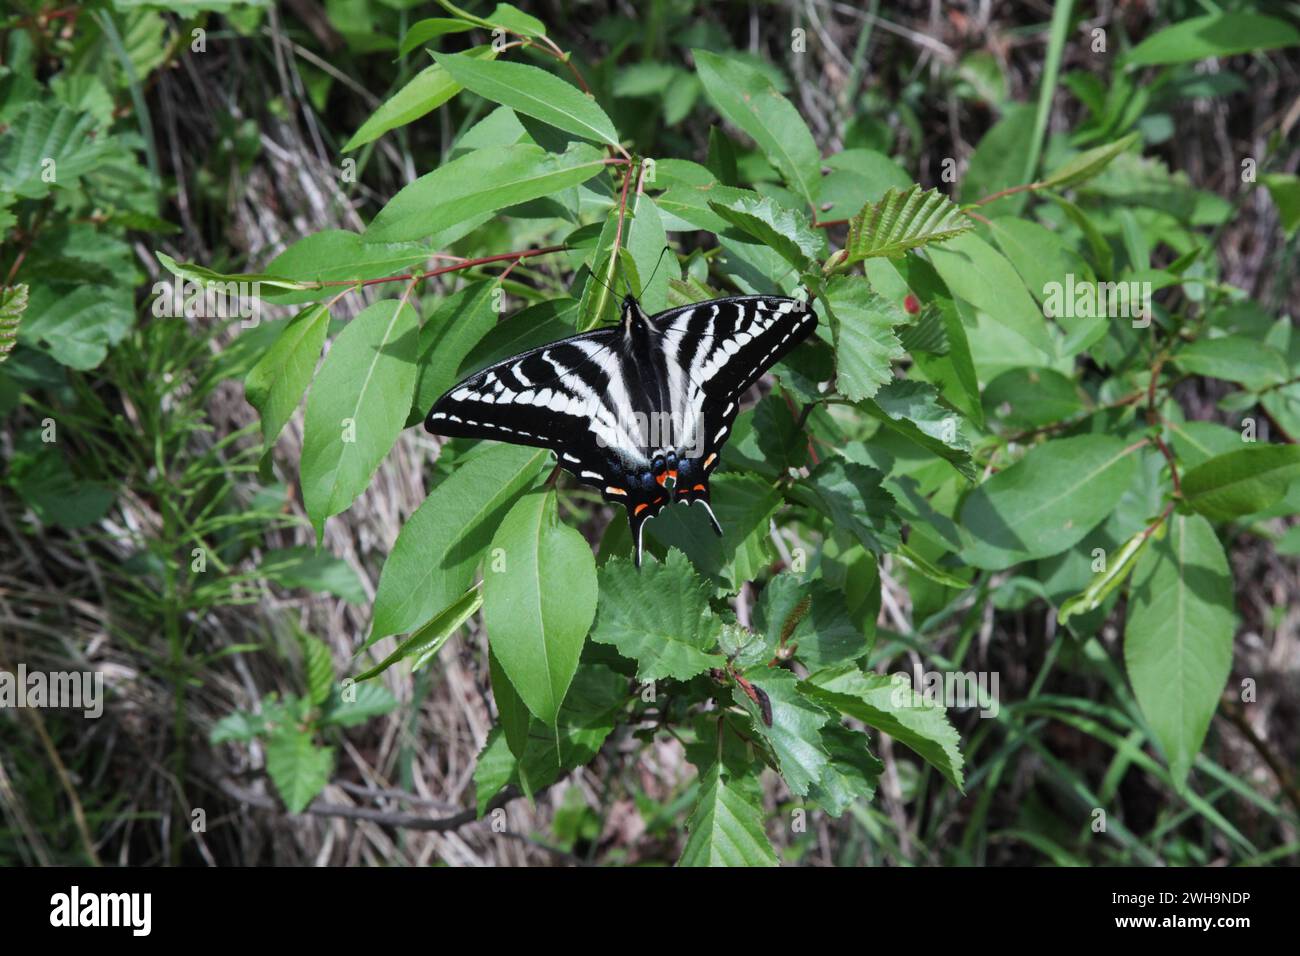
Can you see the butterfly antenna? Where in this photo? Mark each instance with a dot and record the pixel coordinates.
(655, 271)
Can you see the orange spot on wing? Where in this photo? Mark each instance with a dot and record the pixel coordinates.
(710, 460)
(699, 488)
(611, 490)
(639, 508)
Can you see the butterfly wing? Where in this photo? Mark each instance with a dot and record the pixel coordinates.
(551, 397)
(722, 347)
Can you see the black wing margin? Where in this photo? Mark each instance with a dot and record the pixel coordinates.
(727, 344)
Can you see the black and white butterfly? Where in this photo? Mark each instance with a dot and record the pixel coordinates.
(639, 410)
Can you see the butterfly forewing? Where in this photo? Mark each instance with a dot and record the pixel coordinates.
(640, 410)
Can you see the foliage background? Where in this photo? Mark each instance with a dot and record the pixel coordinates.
(227, 157)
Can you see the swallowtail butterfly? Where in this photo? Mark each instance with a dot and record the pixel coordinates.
(638, 410)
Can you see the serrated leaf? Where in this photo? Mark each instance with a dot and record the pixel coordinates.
(298, 768)
(658, 616)
(865, 343)
(276, 384)
(743, 505)
(893, 707)
(534, 92)
(852, 773)
(1241, 482)
(853, 499)
(438, 548)
(539, 599)
(1178, 636)
(912, 410)
(902, 220)
(356, 704)
(794, 733)
(726, 826)
(357, 407)
(785, 230)
(47, 146)
(811, 619)
(318, 667)
(13, 302)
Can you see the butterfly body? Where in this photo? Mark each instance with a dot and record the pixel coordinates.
(639, 410)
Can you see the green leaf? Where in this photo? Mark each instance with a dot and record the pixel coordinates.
(13, 302)
(276, 384)
(912, 410)
(1027, 398)
(362, 702)
(1234, 358)
(340, 255)
(1114, 573)
(726, 826)
(313, 570)
(647, 242)
(909, 557)
(747, 99)
(981, 275)
(852, 498)
(1046, 502)
(48, 146)
(1241, 482)
(852, 773)
(438, 548)
(865, 343)
(533, 92)
(428, 640)
(357, 407)
(1178, 637)
(1087, 164)
(453, 199)
(422, 31)
(298, 768)
(319, 668)
(795, 730)
(1285, 190)
(785, 230)
(512, 712)
(814, 620)
(425, 92)
(1216, 35)
(903, 220)
(743, 505)
(539, 599)
(78, 326)
(206, 277)
(891, 706)
(658, 616)
(448, 336)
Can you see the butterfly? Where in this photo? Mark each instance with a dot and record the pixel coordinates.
(639, 410)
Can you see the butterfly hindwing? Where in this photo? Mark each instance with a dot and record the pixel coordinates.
(641, 410)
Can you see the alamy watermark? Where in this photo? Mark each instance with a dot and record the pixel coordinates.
(76, 690)
(1083, 299)
(957, 689)
(209, 300)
